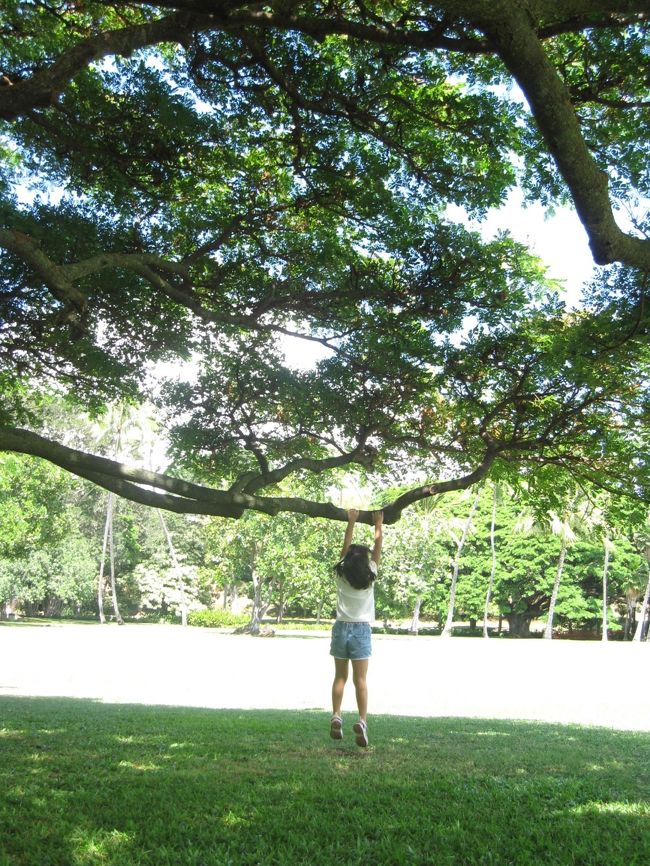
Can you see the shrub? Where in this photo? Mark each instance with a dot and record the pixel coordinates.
(300, 625)
(216, 618)
(155, 617)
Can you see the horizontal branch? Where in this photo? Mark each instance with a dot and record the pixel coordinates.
(589, 21)
(173, 494)
(319, 27)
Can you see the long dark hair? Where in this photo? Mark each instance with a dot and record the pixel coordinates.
(355, 567)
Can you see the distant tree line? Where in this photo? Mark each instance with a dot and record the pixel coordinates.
(510, 556)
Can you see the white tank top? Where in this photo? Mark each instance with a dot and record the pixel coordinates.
(355, 605)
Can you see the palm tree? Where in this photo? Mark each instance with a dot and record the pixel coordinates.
(112, 430)
(632, 594)
(111, 550)
(488, 596)
(638, 634)
(609, 548)
(562, 528)
(415, 618)
(102, 563)
(175, 567)
(460, 543)
(426, 514)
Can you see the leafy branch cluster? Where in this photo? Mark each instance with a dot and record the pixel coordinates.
(207, 179)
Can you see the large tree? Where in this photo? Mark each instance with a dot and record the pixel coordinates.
(216, 175)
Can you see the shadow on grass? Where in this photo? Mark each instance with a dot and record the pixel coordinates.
(90, 783)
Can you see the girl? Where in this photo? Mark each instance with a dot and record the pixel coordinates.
(355, 610)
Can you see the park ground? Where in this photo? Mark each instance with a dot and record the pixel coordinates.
(566, 682)
(162, 746)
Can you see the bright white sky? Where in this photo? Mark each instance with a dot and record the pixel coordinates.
(558, 239)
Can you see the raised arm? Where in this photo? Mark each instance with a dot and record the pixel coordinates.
(349, 529)
(378, 519)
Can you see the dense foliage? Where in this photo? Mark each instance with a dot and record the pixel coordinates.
(193, 180)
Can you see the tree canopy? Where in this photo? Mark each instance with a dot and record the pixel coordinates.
(193, 181)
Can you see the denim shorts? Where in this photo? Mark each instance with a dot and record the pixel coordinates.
(351, 640)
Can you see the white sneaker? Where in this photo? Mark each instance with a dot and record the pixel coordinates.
(336, 728)
(361, 730)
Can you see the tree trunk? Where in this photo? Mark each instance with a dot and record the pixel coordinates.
(256, 613)
(280, 613)
(446, 632)
(176, 567)
(111, 551)
(108, 537)
(646, 625)
(644, 607)
(100, 579)
(53, 606)
(631, 597)
(518, 624)
(259, 606)
(493, 570)
(604, 635)
(548, 631)
(415, 621)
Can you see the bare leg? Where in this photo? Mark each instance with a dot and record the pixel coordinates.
(340, 679)
(359, 672)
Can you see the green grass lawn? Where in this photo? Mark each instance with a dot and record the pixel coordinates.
(89, 783)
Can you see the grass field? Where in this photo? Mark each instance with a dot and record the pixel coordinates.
(83, 782)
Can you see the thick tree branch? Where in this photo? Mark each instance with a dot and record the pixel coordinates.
(558, 17)
(20, 96)
(589, 21)
(393, 511)
(59, 280)
(173, 494)
(321, 26)
(513, 35)
(54, 276)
